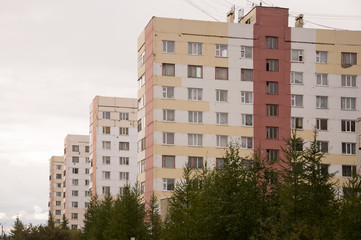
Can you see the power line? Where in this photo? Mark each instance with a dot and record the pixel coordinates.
(200, 9)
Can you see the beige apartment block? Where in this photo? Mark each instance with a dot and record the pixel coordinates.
(56, 168)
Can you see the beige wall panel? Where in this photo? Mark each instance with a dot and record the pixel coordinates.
(339, 159)
(141, 177)
(168, 81)
(168, 173)
(140, 41)
(203, 129)
(181, 105)
(196, 151)
(305, 134)
(162, 194)
(141, 71)
(141, 91)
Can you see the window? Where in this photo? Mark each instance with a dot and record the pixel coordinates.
(86, 148)
(168, 184)
(106, 160)
(141, 59)
(323, 146)
(222, 141)
(106, 190)
(219, 163)
(168, 161)
(75, 182)
(195, 162)
(75, 170)
(87, 171)
(168, 115)
(194, 48)
(141, 102)
(57, 203)
(123, 160)
(195, 140)
(141, 166)
(106, 144)
(124, 146)
(247, 142)
(221, 73)
(348, 103)
(86, 183)
(246, 75)
(139, 125)
(321, 124)
(86, 204)
(74, 193)
(168, 92)
(106, 130)
(247, 120)
(272, 155)
(348, 126)
(321, 102)
(221, 50)
(271, 42)
(272, 110)
(123, 175)
(141, 145)
(348, 80)
(57, 212)
(58, 167)
(58, 176)
(296, 100)
(195, 71)
(321, 80)
(195, 94)
(246, 97)
(222, 118)
(141, 81)
(106, 115)
(106, 175)
(142, 187)
(75, 148)
(297, 55)
(272, 65)
(195, 117)
(348, 59)
(324, 169)
(123, 116)
(168, 46)
(124, 131)
(168, 69)
(321, 57)
(272, 132)
(168, 138)
(296, 77)
(58, 194)
(221, 95)
(349, 148)
(296, 123)
(75, 159)
(246, 52)
(348, 170)
(87, 160)
(272, 87)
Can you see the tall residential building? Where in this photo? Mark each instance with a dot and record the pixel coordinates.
(358, 142)
(113, 144)
(203, 84)
(76, 179)
(56, 168)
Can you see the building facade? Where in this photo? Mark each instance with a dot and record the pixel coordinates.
(113, 144)
(204, 84)
(56, 169)
(76, 178)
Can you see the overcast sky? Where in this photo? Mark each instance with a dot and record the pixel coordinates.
(57, 55)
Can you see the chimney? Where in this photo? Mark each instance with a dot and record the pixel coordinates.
(230, 16)
(299, 21)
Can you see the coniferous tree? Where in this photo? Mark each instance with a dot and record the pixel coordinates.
(64, 223)
(153, 219)
(19, 230)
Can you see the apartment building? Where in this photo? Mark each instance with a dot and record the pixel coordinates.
(203, 84)
(113, 144)
(76, 179)
(358, 150)
(56, 168)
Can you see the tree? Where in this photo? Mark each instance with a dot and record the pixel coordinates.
(153, 219)
(19, 230)
(64, 223)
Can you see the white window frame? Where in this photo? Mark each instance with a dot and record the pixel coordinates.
(106, 160)
(247, 120)
(348, 125)
(320, 124)
(222, 141)
(195, 48)
(296, 122)
(168, 92)
(247, 142)
(221, 118)
(123, 131)
(321, 79)
(124, 176)
(350, 148)
(247, 97)
(106, 145)
(195, 117)
(297, 55)
(195, 94)
(221, 95)
(296, 100)
(141, 81)
(296, 77)
(323, 146)
(348, 103)
(222, 50)
(195, 140)
(167, 138)
(124, 161)
(194, 71)
(123, 116)
(321, 57)
(106, 115)
(168, 115)
(322, 102)
(125, 146)
(246, 52)
(348, 81)
(106, 175)
(106, 130)
(168, 184)
(168, 46)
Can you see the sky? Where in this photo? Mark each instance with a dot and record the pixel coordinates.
(56, 56)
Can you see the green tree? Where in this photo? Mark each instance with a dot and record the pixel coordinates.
(153, 219)
(64, 223)
(19, 230)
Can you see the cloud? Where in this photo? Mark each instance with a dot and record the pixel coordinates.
(38, 214)
(3, 215)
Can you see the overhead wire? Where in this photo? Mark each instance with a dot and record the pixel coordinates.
(201, 9)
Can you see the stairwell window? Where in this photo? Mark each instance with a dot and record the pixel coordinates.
(168, 46)
(321, 57)
(246, 52)
(272, 65)
(297, 55)
(272, 132)
(271, 42)
(272, 88)
(272, 110)
(195, 48)
(272, 155)
(221, 50)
